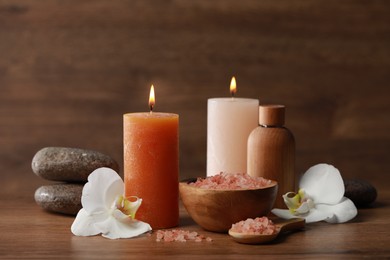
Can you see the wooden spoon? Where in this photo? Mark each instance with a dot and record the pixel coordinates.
(281, 226)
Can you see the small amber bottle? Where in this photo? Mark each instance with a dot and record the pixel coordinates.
(271, 151)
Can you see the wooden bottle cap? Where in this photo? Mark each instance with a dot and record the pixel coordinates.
(271, 115)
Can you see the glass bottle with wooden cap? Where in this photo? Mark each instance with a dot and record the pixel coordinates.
(271, 151)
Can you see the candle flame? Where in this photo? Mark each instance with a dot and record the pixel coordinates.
(152, 99)
(233, 86)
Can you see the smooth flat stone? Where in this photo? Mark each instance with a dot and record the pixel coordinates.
(60, 198)
(69, 164)
(361, 192)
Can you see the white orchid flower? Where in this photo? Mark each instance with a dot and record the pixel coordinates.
(320, 197)
(105, 211)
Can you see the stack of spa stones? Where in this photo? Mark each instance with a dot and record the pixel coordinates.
(70, 168)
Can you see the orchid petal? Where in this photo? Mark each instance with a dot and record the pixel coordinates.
(305, 207)
(103, 185)
(316, 215)
(341, 212)
(313, 216)
(84, 224)
(283, 213)
(323, 184)
(119, 225)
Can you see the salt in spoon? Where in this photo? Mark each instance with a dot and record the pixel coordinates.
(281, 226)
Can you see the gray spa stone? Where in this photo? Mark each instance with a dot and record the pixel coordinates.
(60, 198)
(361, 192)
(69, 164)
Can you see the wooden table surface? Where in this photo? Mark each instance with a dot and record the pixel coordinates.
(70, 69)
(29, 232)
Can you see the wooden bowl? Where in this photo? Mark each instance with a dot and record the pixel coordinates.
(217, 210)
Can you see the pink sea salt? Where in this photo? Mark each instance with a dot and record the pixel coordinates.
(228, 181)
(257, 226)
(178, 235)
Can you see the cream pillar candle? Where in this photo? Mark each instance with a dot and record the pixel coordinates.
(229, 123)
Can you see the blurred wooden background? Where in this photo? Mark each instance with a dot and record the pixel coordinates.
(70, 69)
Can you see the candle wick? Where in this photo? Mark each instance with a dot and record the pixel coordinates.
(151, 107)
(232, 93)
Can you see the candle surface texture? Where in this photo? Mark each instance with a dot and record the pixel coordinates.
(151, 166)
(229, 123)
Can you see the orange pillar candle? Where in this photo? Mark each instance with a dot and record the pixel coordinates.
(151, 165)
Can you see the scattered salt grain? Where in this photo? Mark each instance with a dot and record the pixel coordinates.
(177, 235)
(257, 226)
(228, 181)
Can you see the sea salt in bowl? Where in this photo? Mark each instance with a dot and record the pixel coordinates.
(217, 202)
